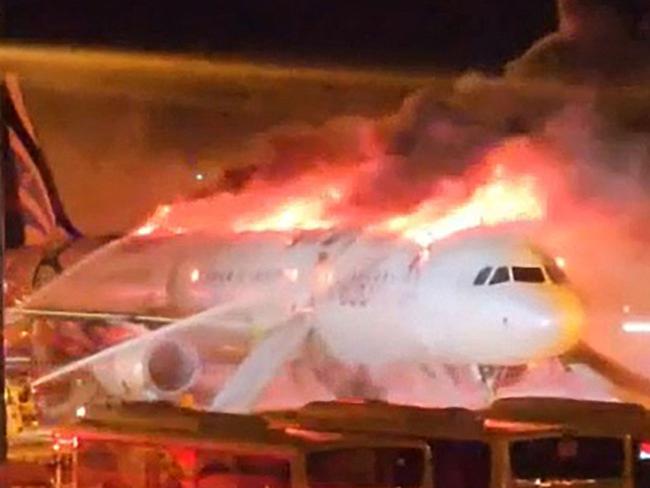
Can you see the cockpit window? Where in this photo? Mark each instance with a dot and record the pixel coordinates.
(555, 273)
(527, 274)
(501, 275)
(482, 276)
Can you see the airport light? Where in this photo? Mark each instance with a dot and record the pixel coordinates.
(195, 275)
(644, 451)
(636, 327)
(80, 412)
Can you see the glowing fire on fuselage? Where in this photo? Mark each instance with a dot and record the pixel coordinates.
(157, 223)
(497, 201)
(321, 202)
(298, 214)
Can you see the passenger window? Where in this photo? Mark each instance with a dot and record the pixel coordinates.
(527, 274)
(482, 276)
(501, 275)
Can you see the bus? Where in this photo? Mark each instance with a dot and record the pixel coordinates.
(555, 441)
(517, 442)
(159, 446)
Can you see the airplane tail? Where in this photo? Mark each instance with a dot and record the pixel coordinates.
(34, 213)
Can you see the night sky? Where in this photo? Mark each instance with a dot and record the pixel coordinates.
(446, 34)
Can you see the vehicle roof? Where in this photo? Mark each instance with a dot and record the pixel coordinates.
(513, 417)
(382, 417)
(160, 422)
(577, 416)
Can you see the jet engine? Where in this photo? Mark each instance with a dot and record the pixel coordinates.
(161, 370)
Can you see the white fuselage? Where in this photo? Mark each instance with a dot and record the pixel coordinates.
(372, 300)
(381, 300)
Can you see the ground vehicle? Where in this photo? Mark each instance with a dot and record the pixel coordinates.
(641, 453)
(461, 454)
(152, 445)
(559, 441)
(511, 444)
(21, 412)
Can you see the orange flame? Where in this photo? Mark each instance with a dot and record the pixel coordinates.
(320, 200)
(158, 223)
(497, 201)
(297, 214)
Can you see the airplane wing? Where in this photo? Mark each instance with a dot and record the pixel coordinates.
(14, 312)
(221, 314)
(261, 365)
(634, 386)
(251, 377)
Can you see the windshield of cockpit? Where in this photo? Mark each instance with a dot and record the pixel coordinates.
(564, 458)
(549, 272)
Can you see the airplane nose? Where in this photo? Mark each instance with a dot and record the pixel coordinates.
(552, 321)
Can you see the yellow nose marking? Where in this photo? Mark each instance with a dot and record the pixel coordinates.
(572, 316)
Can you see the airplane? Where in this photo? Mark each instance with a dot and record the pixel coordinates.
(358, 299)
(258, 300)
(334, 283)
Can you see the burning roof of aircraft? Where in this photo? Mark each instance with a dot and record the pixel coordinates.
(495, 193)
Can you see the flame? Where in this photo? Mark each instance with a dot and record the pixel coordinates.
(502, 189)
(158, 223)
(498, 201)
(303, 205)
(298, 214)
(195, 275)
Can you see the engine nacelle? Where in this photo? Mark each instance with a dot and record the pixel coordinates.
(162, 369)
